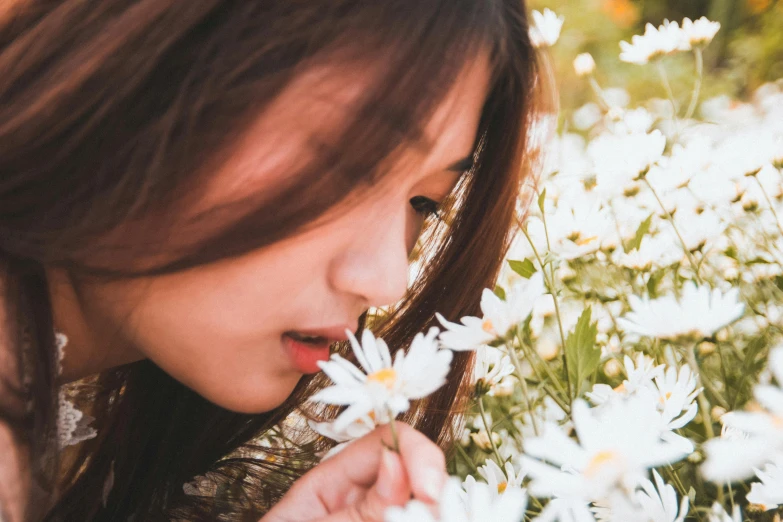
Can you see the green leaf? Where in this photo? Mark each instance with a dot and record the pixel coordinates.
(500, 292)
(653, 281)
(642, 231)
(541, 199)
(525, 268)
(581, 352)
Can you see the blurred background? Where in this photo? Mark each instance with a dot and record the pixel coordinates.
(746, 52)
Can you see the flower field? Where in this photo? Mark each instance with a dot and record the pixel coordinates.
(630, 360)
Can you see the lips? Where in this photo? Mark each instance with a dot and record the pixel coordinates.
(306, 348)
(331, 334)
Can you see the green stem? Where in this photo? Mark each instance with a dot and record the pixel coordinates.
(395, 439)
(466, 458)
(599, 94)
(670, 218)
(489, 433)
(769, 202)
(562, 334)
(667, 87)
(550, 375)
(704, 404)
(553, 291)
(699, 58)
(518, 371)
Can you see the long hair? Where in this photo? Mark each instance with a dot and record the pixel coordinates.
(113, 114)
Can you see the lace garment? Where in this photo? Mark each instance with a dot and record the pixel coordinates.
(72, 425)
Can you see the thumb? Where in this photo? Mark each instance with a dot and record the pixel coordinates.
(391, 488)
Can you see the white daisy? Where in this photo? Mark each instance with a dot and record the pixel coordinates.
(734, 455)
(619, 159)
(654, 43)
(659, 502)
(491, 367)
(575, 228)
(701, 31)
(640, 375)
(501, 480)
(383, 388)
(657, 251)
(749, 438)
(718, 514)
(500, 316)
(699, 312)
(677, 394)
(616, 447)
(413, 511)
(355, 430)
(478, 504)
(650, 503)
(565, 510)
(769, 492)
(545, 30)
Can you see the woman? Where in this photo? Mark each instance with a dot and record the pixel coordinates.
(201, 196)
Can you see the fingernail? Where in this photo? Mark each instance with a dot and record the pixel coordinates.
(387, 483)
(432, 483)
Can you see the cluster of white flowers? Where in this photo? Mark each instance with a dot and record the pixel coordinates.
(751, 440)
(655, 234)
(668, 38)
(634, 318)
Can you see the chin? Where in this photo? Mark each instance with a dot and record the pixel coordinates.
(258, 395)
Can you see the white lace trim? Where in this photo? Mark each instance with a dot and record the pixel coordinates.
(72, 425)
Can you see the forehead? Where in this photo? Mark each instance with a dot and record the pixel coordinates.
(313, 108)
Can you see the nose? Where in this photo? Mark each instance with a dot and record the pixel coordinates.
(374, 266)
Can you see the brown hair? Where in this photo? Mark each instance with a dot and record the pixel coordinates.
(111, 111)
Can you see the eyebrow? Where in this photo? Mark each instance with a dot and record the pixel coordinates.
(462, 165)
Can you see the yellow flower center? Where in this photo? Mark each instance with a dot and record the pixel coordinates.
(487, 326)
(386, 377)
(620, 388)
(502, 487)
(586, 241)
(598, 461)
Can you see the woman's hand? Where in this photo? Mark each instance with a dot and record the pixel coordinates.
(360, 482)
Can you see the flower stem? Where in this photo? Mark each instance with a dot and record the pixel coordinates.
(769, 202)
(518, 371)
(550, 375)
(466, 457)
(704, 404)
(667, 87)
(670, 218)
(395, 439)
(699, 58)
(550, 280)
(489, 433)
(599, 94)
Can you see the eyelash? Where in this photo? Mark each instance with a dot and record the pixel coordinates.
(425, 206)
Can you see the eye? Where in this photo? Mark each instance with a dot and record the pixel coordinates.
(425, 206)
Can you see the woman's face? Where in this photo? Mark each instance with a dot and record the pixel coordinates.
(232, 330)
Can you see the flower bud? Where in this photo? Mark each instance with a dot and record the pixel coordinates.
(613, 368)
(584, 65)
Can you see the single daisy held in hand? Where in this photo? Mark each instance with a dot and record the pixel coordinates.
(380, 387)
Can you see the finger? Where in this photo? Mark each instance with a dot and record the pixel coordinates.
(422, 460)
(390, 489)
(424, 463)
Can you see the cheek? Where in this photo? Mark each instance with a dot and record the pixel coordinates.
(214, 331)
